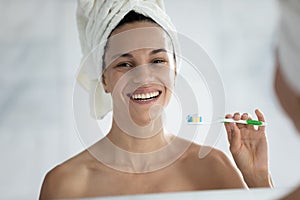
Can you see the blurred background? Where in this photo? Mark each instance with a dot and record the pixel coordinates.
(40, 55)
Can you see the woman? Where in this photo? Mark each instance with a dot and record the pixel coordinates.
(139, 68)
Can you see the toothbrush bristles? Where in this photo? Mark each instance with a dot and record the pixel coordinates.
(194, 119)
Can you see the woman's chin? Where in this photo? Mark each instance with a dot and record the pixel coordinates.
(145, 119)
(141, 119)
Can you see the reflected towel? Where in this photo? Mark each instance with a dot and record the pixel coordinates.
(95, 20)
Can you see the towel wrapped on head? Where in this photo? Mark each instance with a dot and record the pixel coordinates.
(96, 19)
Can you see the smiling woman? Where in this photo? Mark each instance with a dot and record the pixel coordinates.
(138, 73)
(148, 50)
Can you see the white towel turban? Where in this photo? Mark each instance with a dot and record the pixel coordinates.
(95, 20)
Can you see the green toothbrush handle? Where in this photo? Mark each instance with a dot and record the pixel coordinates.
(254, 122)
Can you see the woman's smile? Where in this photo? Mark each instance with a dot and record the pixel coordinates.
(145, 95)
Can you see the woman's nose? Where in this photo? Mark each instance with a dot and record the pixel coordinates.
(142, 73)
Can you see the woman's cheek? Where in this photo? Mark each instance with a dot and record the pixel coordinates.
(115, 78)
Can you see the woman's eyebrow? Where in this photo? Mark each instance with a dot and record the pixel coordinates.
(158, 51)
(126, 55)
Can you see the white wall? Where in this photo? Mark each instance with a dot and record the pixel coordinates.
(40, 53)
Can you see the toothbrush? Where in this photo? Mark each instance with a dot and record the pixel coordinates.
(198, 120)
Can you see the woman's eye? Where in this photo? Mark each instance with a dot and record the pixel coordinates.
(157, 61)
(124, 65)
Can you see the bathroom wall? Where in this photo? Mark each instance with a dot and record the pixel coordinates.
(40, 53)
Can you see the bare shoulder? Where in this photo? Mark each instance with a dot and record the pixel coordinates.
(214, 166)
(207, 156)
(214, 157)
(200, 153)
(68, 178)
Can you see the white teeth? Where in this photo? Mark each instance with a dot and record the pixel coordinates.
(145, 96)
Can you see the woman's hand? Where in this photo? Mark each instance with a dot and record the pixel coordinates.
(249, 149)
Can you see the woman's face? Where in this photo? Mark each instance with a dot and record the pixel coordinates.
(140, 70)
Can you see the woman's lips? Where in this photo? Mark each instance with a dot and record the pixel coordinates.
(144, 95)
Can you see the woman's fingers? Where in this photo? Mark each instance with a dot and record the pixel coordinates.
(236, 117)
(235, 143)
(233, 133)
(260, 117)
(236, 130)
(227, 127)
(246, 116)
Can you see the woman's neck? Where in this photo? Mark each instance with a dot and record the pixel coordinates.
(138, 143)
(128, 153)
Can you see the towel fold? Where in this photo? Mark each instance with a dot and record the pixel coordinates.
(95, 20)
